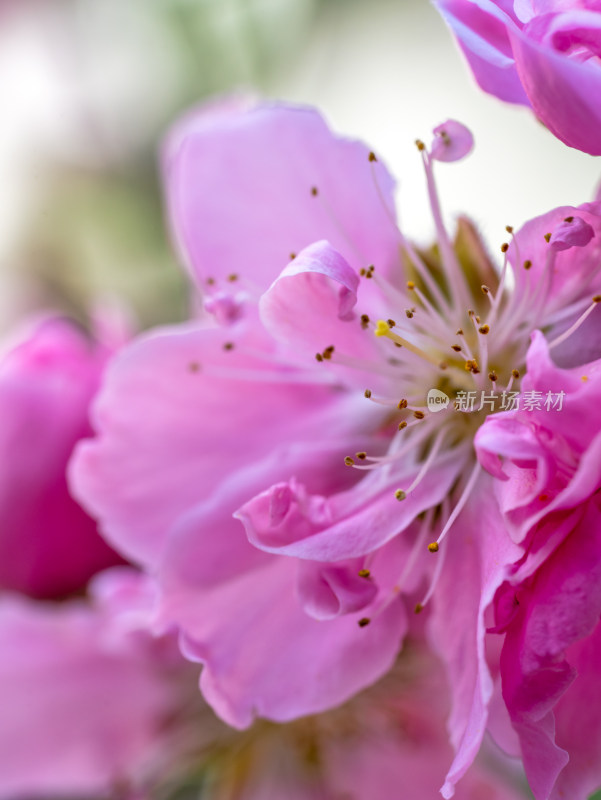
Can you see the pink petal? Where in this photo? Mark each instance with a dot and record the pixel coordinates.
(240, 175)
(346, 525)
(452, 141)
(478, 558)
(179, 413)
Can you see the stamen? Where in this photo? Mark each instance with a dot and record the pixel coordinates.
(566, 334)
(460, 504)
(382, 329)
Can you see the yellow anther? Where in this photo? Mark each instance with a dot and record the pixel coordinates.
(382, 328)
(433, 547)
(364, 573)
(348, 461)
(400, 494)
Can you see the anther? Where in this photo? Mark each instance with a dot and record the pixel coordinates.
(228, 346)
(504, 247)
(232, 278)
(318, 357)
(349, 461)
(418, 608)
(419, 414)
(194, 366)
(547, 237)
(327, 353)
(456, 348)
(292, 256)
(364, 621)
(515, 373)
(364, 321)
(210, 281)
(459, 332)
(372, 156)
(485, 289)
(433, 547)
(402, 425)
(362, 272)
(443, 365)
(420, 145)
(367, 393)
(569, 219)
(402, 403)
(527, 263)
(362, 455)
(597, 298)
(410, 285)
(409, 313)
(484, 329)
(492, 376)
(364, 573)
(314, 191)
(509, 228)
(391, 323)
(400, 494)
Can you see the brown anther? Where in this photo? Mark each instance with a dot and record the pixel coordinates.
(314, 191)
(329, 349)
(477, 318)
(232, 278)
(485, 289)
(402, 425)
(515, 373)
(419, 414)
(409, 313)
(492, 376)
(402, 403)
(318, 357)
(400, 494)
(362, 455)
(471, 364)
(569, 219)
(597, 298)
(418, 608)
(364, 573)
(364, 319)
(364, 621)
(396, 344)
(471, 312)
(420, 145)
(443, 365)
(362, 272)
(367, 393)
(372, 156)
(459, 332)
(547, 237)
(509, 228)
(410, 285)
(484, 329)
(292, 256)
(504, 247)
(475, 370)
(348, 461)
(210, 281)
(433, 547)
(228, 346)
(327, 354)
(456, 348)
(194, 366)
(391, 323)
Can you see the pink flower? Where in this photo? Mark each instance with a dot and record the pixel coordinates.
(540, 53)
(350, 346)
(48, 546)
(87, 695)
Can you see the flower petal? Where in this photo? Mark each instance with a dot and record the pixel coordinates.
(275, 177)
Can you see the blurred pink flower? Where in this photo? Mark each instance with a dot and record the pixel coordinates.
(87, 695)
(541, 53)
(247, 417)
(49, 547)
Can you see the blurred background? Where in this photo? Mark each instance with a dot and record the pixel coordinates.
(89, 87)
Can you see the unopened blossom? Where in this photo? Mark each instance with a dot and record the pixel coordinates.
(292, 472)
(49, 373)
(539, 53)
